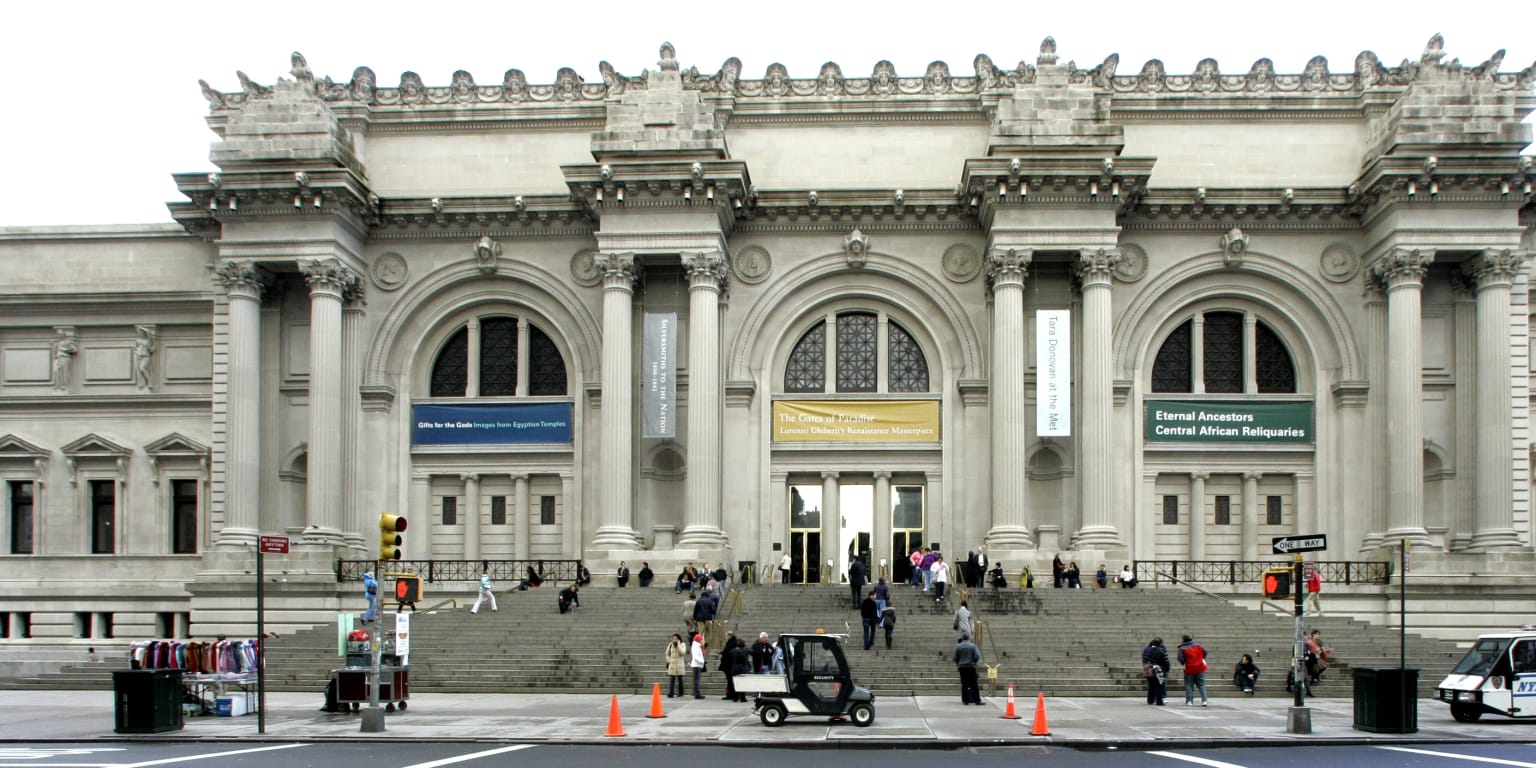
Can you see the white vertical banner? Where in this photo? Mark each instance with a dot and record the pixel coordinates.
(403, 636)
(658, 379)
(1053, 372)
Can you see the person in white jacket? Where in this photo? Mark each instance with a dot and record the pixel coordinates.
(485, 593)
(696, 662)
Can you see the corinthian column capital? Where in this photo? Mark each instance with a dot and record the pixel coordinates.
(329, 276)
(618, 269)
(704, 268)
(1097, 265)
(241, 279)
(1007, 265)
(1404, 266)
(1495, 266)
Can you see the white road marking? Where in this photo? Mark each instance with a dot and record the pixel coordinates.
(1196, 760)
(190, 758)
(1473, 758)
(463, 758)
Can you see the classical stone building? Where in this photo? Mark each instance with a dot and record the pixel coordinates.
(700, 316)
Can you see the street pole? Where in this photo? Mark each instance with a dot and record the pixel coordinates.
(373, 717)
(1299, 719)
(261, 643)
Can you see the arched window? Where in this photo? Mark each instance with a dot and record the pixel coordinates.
(494, 371)
(1225, 353)
(859, 358)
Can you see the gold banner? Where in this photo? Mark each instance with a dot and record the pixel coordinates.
(856, 421)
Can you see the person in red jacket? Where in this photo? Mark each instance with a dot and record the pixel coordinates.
(1192, 656)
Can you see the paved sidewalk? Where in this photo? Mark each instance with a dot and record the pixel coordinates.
(912, 721)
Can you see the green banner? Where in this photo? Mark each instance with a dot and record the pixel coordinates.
(1189, 421)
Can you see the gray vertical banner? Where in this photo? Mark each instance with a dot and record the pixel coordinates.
(658, 395)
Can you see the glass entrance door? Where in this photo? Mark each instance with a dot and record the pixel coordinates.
(906, 528)
(856, 504)
(804, 534)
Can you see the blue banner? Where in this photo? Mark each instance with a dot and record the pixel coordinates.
(491, 423)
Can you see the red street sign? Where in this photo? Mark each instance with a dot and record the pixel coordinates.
(273, 545)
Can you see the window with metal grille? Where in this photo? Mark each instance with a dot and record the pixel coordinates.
(546, 367)
(806, 370)
(184, 517)
(1170, 510)
(1223, 510)
(546, 510)
(1223, 352)
(857, 360)
(450, 510)
(450, 373)
(1274, 511)
(908, 366)
(103, 517)
(498, 357)
(498, 510)
(21, 517)
(1171, 369)
(1273, 361)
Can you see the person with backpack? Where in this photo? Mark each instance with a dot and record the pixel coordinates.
(967, 656)
(371, 592)
(888, 623)
(1192, 656)
(1154, 667)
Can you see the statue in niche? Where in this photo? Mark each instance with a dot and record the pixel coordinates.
(143, 355)
(65, 346)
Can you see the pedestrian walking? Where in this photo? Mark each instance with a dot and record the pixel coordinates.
(888, 623)
(1154, 667)
(1192, 656)
(963, 619)
(485, 593)
(785, 563)
(371, 592)
(869, 613)
(696, 663)
(856, 581)
(940, 578)
(967, 656)
(677, 661)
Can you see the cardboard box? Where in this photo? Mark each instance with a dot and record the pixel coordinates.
(231, 706)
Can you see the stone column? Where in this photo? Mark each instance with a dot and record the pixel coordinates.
(520, 513)
(522, 357)
(616, 470)
(472, 357)
(1250, 353)
(471, 517)
(356, 519)
(570, 524)
(329, 282)
(1250, 516)
(1095, 440)
(1010, 521)
(1495, 271)
(881, 550)
(1403, 271)
(243, 281)
(1197, 515)
(418, 539)
(1197, 353)
(1376, 410)
(706, 278)
(831, 527)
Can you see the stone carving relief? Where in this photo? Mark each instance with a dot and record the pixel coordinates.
(145, 340)
(856, 248)
(961, 263)
(66, 344)
(389, 271)
(752, 264)
(1234, 245)
(487, 253)
(1338, 263)
(584, 269)
(1132, 265)
(830, 82)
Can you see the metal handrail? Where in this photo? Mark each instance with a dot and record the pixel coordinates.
(1233, 572)
(433, 571)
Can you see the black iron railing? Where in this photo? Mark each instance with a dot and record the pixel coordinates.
(505, 573)
(1252, 571)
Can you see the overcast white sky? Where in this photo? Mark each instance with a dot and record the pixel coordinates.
(102, 104)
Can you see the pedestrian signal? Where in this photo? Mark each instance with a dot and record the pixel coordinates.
(1277, 582)
(407, 589)
(390, 540)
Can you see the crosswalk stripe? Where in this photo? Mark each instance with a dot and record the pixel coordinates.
(1472, 758)
(1196, 760)
(473, 756)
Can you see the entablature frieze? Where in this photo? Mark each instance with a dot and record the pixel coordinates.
(722, 185)
(1418, 177)
(219, 198)
(993, 183)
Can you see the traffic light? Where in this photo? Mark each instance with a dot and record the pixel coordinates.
(390, 540)
(1277, 582)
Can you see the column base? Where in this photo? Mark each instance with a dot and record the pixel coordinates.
(1416, 536)
(700, 536)
(1494, 539)
(615, 537)
(316, 536)
(236, 538)
(1097, 537)
(1009, 537)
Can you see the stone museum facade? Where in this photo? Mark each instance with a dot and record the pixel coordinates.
(699, 316)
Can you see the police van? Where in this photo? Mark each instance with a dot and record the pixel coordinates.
(1497, 675)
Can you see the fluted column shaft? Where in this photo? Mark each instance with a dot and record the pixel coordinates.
(520, 513)
(616, 474)
(329, 281)
(471, 517)
(882, 544)
(418, 542)
(1495, 272)
(1096, 268)
(357, 520)
(242, 431)
(1249, 524)
(706, 275)
(1376, 411)
(831, 528)
(1010, 521)
(1197, 515)
(1403, 271)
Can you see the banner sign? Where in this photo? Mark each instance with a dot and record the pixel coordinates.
(1174, 421)
(658, 375)
(403, 635)
(492, 423)
(1053, 372)
(856, 421)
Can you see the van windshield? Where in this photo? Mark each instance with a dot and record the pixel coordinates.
(1482, 656)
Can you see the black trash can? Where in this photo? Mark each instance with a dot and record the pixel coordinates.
(147, 700)
(1386, 700)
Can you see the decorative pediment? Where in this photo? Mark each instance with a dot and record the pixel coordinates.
(13, 447)
(176, 444)
(95, 446)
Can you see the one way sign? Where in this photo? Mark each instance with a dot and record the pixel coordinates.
(1285, 545)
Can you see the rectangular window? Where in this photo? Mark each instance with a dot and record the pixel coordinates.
(21, 517)
(21, 625)
(546, 510)
(83, 624)
(1223, 510)
(103, 517)
(450, 510)
(1273, 513)
(498, 510)
(1170, 510)
(184, 517)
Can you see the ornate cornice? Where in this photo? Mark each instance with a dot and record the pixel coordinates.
(991, 183)
(218, 198)
(723, 185)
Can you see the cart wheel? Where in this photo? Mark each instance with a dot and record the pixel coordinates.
(402, 706)
(354, 706)
(862, 714)
(390, 707)
(773, 715)
(1466, 714)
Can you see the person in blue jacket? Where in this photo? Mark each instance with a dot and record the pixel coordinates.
(371, 591)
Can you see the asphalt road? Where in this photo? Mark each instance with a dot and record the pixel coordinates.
(435, 755)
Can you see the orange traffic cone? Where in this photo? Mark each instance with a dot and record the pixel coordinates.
(1040, 728)
(615, 725)
(1010, 713)
(656, 710)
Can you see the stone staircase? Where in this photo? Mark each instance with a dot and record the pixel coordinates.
(1062, 643)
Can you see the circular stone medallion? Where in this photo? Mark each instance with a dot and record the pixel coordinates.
(752, 264)
(389, 271)
(1339, 263)
(584, 268)
(1132, 265)
(961, 263)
